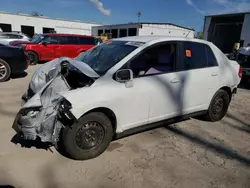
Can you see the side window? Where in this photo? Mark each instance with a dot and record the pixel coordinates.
(87, 40)
(211, 60)
(71, 40)
(155, 60)
(52, 40)
(194, 55)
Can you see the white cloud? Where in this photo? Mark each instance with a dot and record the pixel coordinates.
(99, 6)
(190, 2)
(229, 6)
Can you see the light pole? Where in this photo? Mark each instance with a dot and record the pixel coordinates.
(138, 15)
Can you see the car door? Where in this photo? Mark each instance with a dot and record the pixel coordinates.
(69, 46)
(157, 80)
(50, 48)
(199, 75)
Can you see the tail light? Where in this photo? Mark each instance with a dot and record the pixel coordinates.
(240, 72)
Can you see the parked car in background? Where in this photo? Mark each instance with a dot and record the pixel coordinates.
(123, 86)
(12, 60)
(7, 37)
(45, 47)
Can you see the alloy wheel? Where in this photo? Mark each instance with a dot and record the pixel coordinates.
(3, 71)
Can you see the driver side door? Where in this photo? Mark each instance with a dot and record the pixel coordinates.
(51, 49)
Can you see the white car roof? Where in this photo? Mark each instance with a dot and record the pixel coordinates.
(155, 38)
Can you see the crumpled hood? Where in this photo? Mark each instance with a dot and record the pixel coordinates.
(49, 70)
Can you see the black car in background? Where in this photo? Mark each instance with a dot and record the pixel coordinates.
(12, 60)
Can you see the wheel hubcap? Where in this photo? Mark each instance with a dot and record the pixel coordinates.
(3, 70)
(89, 135)
(218, 105)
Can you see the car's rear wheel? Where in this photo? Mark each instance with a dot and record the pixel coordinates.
(33, 57)
(218, 106)
(5, 71)
(89, 137)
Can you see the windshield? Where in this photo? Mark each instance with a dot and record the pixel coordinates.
(106, 55)
(37, 38)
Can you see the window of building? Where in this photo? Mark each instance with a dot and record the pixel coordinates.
(5, 27)
(156, 60)
(100, 32)
(132, 31)
(123, 32)
(114, 33)
(194, 55)
(107, 31)
(28, 30)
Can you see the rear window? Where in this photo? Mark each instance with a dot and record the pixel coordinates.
(87, 40)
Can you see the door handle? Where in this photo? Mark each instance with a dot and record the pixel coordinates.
(214, 74)
(175, 80)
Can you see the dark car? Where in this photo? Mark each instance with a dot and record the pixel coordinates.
(12, 60)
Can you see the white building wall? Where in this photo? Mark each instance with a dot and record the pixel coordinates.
(149, 29)
(166, 30)
(60, 26)
(245, 32)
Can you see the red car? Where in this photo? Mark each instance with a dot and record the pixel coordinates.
(46, 47)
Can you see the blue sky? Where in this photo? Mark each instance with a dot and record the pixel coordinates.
(182, 12)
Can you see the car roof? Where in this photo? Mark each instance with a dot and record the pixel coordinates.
(65, 35)
(150, 38)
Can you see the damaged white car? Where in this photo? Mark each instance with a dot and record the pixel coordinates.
(123, 86)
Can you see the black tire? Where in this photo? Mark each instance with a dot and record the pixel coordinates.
(218, 106)
(33, 57)
(5, 71)
(88, 138)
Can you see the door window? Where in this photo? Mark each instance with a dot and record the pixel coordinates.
(52, 40)
(86, 40)
(194, 55)
(155, 60)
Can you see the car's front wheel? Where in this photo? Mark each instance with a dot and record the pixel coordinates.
(218, 106)
(5, 71)
(89, 137)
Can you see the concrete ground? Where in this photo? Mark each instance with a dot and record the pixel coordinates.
(193, 153)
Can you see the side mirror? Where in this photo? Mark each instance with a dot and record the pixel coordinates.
(44, 43)
(124, 75)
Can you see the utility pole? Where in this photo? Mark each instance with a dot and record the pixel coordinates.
(138, 15)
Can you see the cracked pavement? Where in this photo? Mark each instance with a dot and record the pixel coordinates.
(192, 153)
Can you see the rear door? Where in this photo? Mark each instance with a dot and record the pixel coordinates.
(69, 46)
(199, 73)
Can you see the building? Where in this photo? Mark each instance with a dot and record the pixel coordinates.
(227, 29)
(30, 25)
(139, 29)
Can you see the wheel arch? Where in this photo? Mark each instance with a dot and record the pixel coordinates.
(108, 112)
(35, 53)
(228, 90)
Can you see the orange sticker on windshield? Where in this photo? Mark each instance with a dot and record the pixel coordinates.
(188, 53)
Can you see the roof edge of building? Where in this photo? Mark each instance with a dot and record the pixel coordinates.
(46, 17)
(156, 23)
(227, 14)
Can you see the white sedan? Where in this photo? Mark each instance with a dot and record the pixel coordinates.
(124, 86)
